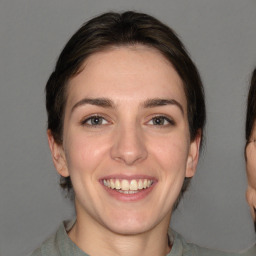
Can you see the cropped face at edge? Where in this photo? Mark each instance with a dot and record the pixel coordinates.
(126, 142)
(251, 171)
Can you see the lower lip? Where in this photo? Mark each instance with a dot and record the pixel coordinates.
(141, 194)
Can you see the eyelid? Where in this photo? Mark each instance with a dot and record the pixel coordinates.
(170, 120)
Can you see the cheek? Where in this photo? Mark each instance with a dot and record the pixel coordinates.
(172, 153)
(83, 154)
(171, 157)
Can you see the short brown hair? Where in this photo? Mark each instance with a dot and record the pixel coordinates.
(120, 29)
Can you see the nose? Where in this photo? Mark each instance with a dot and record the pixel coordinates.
(129, 146)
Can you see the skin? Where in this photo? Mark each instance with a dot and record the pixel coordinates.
(251, 172)
(127, 143)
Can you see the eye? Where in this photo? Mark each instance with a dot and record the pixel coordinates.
(94, 121)
(161, 121)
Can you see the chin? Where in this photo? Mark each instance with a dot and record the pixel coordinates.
(131, 224)
(129, 228)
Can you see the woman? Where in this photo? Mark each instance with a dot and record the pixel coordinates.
(126, 115)
(250, 152)
(251, 146)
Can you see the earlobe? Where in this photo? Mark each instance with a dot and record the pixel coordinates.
(58, 155)
(193, 156)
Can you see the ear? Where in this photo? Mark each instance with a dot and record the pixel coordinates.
(58, 155)
(193, 155)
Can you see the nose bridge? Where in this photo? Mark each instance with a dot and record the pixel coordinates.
(129, 146)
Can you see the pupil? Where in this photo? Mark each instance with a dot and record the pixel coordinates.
(96, 120)
(158, 121)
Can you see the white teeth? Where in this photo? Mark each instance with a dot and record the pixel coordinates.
(133, 185)
(112, 184)
(140, 184)
(127, 186)
(118, 184)
(127, 191)
(106, 183)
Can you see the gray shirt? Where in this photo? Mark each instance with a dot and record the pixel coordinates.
(61, 245)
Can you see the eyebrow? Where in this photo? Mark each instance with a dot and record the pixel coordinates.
(101, 102)
(107, 103)
(151, 103)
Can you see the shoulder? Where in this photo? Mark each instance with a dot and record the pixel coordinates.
(37, 252)
(59, 244)
(209, 252)
(49, 247)
(250, 252)
(182, 248)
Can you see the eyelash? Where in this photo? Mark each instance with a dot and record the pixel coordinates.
(164, 119)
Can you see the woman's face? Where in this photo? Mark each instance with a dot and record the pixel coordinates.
(126, 142)
(251, 171)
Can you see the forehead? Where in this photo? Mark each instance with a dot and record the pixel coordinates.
(127, 73)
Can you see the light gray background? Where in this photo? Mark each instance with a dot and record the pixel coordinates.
(221, 37)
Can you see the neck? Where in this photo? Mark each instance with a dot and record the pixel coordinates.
(87, 234)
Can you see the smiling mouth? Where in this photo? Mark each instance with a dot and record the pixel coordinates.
(125, 186)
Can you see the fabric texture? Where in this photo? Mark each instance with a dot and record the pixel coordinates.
(61, 245)
(250, 252)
